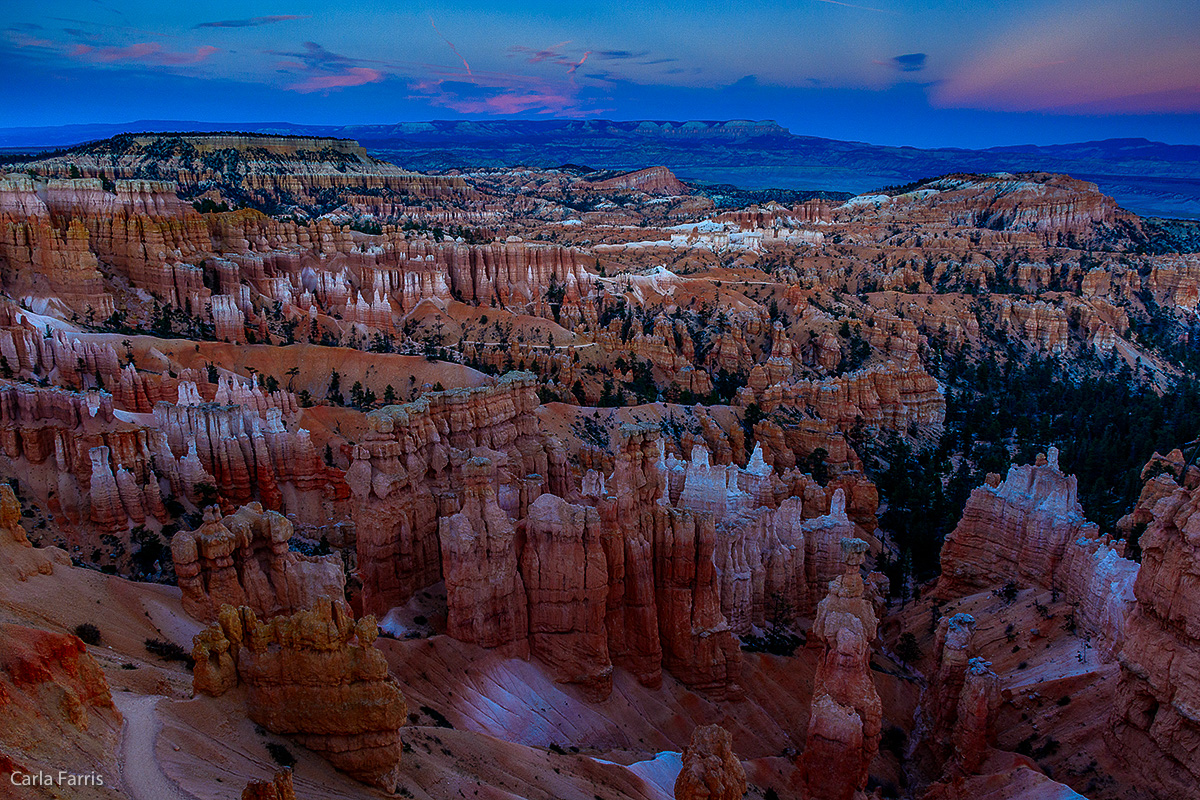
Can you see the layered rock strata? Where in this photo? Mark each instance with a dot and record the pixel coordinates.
(1031, 529)
(243, 559)
(315, 676)
(959, 704)
(846, 717)
(56, 705)
(1155, 723)
(710, 770)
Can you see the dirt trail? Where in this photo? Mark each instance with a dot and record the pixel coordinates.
(140, 772)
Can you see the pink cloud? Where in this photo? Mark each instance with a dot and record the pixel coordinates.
(354, 76)
(143, 52)
(501, 93)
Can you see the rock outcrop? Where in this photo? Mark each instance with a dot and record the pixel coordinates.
(484, 591)
(408, 472)
(1155, 723)
(847, 714)
(278, 788)
(959, 704)
(1031, 529)
(566, 578)
(710, 769)
(243, 559)
(315, 676)
(57, 709)
(19, 559)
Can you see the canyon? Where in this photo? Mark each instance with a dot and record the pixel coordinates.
(572, 483)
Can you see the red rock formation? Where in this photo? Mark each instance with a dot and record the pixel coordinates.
(846, 718)
(244, 560)
(484, 591)
(403, 477)
(239, 453)
(1031, 529)
(1155, 724)
(278, 788)
(1049, 205)
(652, 180)
(56, 705)
(315, 676)
(19, 559)
(888, 395)
(697, 645)
(974, 727)
(566, 578)
(959, 704)
(710, 770)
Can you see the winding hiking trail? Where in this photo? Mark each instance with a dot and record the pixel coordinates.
(141, 774)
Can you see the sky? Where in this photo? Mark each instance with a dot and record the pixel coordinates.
(925, 73)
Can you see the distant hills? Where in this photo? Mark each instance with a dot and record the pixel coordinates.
(1149, 178)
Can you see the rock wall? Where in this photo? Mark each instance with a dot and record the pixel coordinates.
(955, 724)
(243, 559)
(407, 472)
(891, 395)
(1155, 723)
(1031, 529)
(56, 705)
(278, 788)
(315, 676)
(484, 591)
(566, 577)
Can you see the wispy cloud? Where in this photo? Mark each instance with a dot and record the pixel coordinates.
(251, 22)
(501, 93)
(143, 53)
(909, 62)
(354, 76)
(554, 54)
(620, 55)
(324, 70)
(450, 44)
(314, 57)
(861, 8)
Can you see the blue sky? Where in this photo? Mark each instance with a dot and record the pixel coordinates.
(924, 73)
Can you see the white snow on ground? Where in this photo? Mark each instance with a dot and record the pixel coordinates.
(413, 616)
(704, 226)
(660, 772)
(866, 200)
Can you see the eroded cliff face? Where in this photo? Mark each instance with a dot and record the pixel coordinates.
(57, 709)
(658, 565)
(846, 718)
(1155, 723)
(710, 769)
(1048, 205)
(1030, 529)
(408, 472)
(566, 575)
(243, 559)
(955, 727)
(278, 788)
(286, 170)
(315, 676)
(480, 558)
